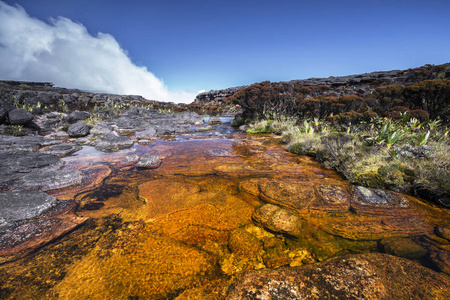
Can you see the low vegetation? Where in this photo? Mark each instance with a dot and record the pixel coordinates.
(381, 135)
(406, 155)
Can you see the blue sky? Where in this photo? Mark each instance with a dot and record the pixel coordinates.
(194, 45)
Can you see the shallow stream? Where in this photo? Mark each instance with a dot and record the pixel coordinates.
(154, 233)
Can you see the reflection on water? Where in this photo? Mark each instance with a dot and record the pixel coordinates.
(153, 233)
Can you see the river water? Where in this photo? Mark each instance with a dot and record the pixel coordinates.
(154, 233)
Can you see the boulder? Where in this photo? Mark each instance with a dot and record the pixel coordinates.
(76, 116)
(78, 129)
(20, 116)
(5, 108)
(149, 161)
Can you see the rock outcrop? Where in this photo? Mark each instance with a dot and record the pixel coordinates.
(341, 85)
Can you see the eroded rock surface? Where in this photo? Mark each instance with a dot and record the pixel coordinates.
(366, 276)
(62, 150)
(15, 206)
(111, 142)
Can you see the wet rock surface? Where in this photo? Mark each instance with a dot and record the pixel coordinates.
(149, 161)
(277, 219)
(111, 142)
(15, 206)
(365, 276)
(61, 150)
(30, 218)
(51, 220)
(204, 222)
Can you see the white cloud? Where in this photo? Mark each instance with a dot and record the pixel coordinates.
(65, 53)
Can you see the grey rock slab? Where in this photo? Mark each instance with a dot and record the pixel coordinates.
(111, 142)
(62, 150)
(218, 152)
(214, 121)
(25, 162)
(48, 180)
(131, 158)
(16, 206)
(127, 123)
(378, 198)
(78, 129)
(149, 161)
(148, 133)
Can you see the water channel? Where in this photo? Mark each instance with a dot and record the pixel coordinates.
(154, 233)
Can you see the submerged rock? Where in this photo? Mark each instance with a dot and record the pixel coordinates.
(440, 259)
(131, 158)
(218, 152)
(403, 247)
(443, 232)
(378, 198)
(277, 219)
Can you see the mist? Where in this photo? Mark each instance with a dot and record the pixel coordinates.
(63, 52)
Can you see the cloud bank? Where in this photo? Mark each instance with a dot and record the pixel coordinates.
(65, 53)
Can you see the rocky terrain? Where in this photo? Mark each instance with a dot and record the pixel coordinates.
(254, 227)
(38, 128)
(344, 85)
